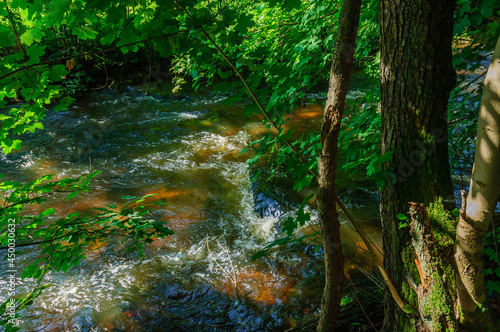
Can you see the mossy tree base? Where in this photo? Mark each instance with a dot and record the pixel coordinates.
(436, 295)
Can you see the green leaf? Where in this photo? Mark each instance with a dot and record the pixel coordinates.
(85, 32)
(71, 195)
(47, 212)
(109, 38)
(8, 145)
(57, 9)
(35, 52)
(244, 22)
(251, 109)
(493, 286)
(6, 37)
(64, 103)
(116, 14)
(16, 144)
(402, 216)
(58, 72)
(259, 254)
(460, 26)
(302, 182)
(403, 225)
(289, 226)
(4, 117)
(27, 38)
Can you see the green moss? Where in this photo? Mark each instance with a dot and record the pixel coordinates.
(460, 314)
(436, 305)
(449, 274)
(426, 137)
(443, 224)
(408, 255)
(436, 299)
(411, 327)
(408, 294)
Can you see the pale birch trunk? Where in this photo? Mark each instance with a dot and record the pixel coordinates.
(475, 217)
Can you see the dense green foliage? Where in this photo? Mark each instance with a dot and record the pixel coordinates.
(51, 51)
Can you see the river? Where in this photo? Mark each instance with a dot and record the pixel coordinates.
(185, 149)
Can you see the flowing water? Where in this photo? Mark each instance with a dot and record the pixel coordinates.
(185, 150)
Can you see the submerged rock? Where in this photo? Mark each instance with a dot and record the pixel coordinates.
(266, 206)
(269, 194)
(84, 320)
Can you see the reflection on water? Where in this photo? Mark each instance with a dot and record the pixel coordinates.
(186, 151)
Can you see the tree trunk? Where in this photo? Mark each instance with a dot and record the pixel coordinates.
(475, 216)
(416, 78)
(339, 80)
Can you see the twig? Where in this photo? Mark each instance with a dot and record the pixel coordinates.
(357, 300)
(51, 240)
(27, 200)
(235, 278)
(474, 80)
(46, 325)
(149, 74)
(107, 77)
(95, 241)
(370, 276)
(461, 152)
(231, 263)
(220, 266)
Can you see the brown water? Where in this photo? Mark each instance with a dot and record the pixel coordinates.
(184, 149)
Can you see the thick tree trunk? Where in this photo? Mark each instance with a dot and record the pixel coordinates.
(416, 78)
(334, 108)
(475, 216)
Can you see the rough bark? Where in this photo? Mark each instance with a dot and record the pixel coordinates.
(435, 293)
(416, 78)
(476, 212)
(334, 108)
